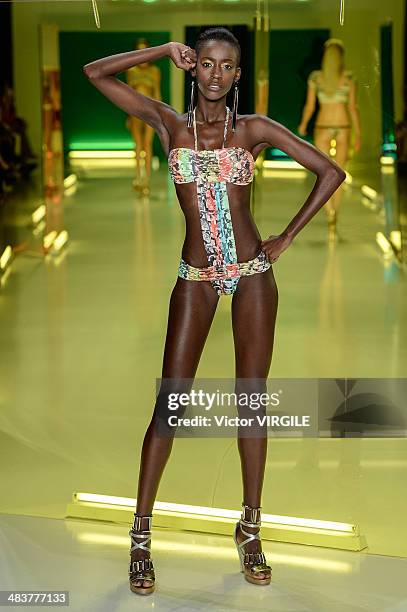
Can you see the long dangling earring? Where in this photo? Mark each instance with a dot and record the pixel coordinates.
(191, 104)
(235, 103)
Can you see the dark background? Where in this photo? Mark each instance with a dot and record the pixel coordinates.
(293, 55)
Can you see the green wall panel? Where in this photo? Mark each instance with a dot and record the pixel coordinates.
(293, 54)
(91, 121)
(387, 89)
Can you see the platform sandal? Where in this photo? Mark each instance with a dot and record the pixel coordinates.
(251, 564)
(142, 569)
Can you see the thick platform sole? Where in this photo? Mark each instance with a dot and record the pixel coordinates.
(263, 582)
(142, 590)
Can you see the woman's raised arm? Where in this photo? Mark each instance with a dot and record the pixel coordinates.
(101, 73)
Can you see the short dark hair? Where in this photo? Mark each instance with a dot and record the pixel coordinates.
(218, 33)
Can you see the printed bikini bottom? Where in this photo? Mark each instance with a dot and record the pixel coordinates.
(224, 277)
(334, 129)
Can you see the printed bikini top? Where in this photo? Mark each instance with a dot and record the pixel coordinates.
(340, 95)
(228, 164)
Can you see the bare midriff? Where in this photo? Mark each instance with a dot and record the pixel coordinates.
(333, 114)
(246, 233)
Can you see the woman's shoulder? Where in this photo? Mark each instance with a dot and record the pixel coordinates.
(256, 123)
(175, 121)
(249, 122)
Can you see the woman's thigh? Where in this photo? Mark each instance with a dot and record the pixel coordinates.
(136, 127)
(322, 139)
(148, 133)
(342, 147)
(254, 312)
(191, 311)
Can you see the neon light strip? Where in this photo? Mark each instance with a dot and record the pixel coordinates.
(101, 154)
(287, 165)
(215, 513)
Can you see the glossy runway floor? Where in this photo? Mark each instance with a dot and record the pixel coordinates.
(82, 339)
(193, 571)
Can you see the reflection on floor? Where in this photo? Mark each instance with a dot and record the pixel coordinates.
(16, 227)
(193, 571)
(82, 339)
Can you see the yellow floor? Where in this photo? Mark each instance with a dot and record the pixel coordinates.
(82, 339)
(193, 571)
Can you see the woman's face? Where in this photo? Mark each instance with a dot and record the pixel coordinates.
(216, 68)
(333, 56)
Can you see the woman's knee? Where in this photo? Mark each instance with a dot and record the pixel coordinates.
(342, 150)
(168, 404)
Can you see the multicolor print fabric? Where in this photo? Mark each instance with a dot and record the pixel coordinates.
(211, 170)
(227, 165)
(224, 279)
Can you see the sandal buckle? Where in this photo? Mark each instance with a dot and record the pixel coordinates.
(138, 519)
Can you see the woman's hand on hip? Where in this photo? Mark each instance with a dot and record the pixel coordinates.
(183, 56)
(273, 246)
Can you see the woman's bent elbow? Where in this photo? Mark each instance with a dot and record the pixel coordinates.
(333, 174)
(340, 175)
(88, 71)
(337, 171)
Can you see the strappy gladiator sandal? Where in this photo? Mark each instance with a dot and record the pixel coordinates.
(252, 564)
(142, 569)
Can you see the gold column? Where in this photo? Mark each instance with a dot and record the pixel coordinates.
(261, 36)
(52, 146)
(261, 28)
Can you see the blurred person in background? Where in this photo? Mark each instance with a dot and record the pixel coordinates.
(336, 91)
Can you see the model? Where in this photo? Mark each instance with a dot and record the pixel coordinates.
(211, 153)
(144, 78)
(336, 91)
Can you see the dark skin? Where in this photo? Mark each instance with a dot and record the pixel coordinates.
(193, 304)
